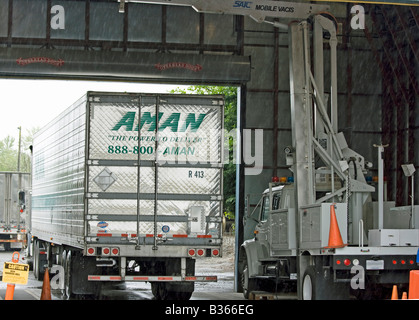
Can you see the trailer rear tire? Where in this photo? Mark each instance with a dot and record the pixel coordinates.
(171, 291)
(7, 246)
(68, 287)
(63, 262)
(155, 290)
(164, 294)
(77, 269)
(39, 260)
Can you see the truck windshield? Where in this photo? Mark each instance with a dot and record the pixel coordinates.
(275, 201)
(265, 209)
(265, 205)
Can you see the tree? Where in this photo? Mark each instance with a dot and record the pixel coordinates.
(9, 152)
(27, 141)
(230, 123)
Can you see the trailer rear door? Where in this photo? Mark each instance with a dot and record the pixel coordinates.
(154, 168)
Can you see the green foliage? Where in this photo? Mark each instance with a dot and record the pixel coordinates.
(230, 123)
(9, 152)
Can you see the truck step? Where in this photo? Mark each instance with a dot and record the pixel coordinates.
(264, 295)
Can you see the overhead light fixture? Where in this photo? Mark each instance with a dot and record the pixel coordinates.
(121, 6)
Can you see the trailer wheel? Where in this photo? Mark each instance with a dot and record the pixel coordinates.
(169, 291)
(164, 294)
(186, 295)
(38, 261)
(35, 260)
(67, 276)
(155, 290)
(68, 279)
(309, 284)
(64, 265)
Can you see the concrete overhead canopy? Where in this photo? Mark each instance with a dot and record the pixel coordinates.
(91, 39)
(135, 66)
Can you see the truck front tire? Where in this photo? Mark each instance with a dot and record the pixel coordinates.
(248, 284)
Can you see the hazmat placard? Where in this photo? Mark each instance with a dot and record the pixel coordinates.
(15, 273)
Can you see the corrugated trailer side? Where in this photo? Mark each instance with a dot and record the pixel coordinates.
(59, 177)
(14, 205)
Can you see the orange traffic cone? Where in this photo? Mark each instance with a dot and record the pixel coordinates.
(404, 296)
(46, 287)
(10, 290)
(414, 285)
(335, 238)
(394, 295)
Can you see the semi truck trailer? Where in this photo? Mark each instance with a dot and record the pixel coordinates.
(128, 187)
(14, 186)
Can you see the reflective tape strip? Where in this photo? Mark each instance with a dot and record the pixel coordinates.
(201, 278)
(153, 278)
(165, 278)
(150, 235)
(104, 234)
(104, 278)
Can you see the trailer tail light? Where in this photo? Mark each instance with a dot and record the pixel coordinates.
(115, 251)
(203, 252)
(346, 262)
(403, 262)
(106, 251)
(91, 251)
